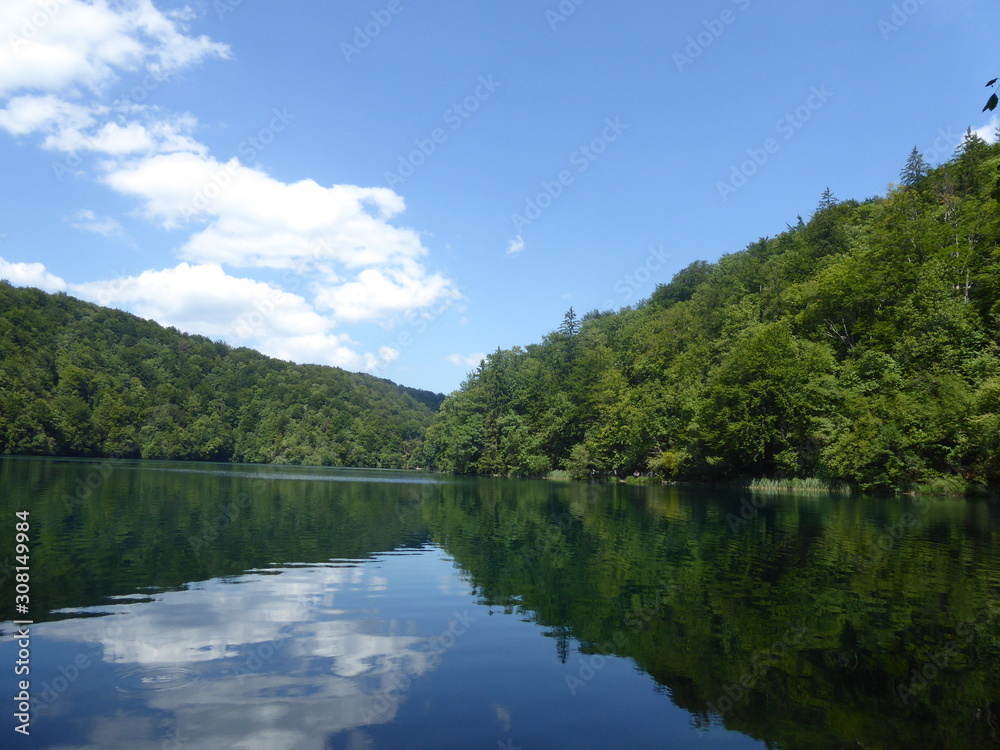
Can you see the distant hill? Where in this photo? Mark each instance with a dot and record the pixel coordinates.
(77, 379)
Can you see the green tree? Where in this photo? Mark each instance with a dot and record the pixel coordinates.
(915, 169)
(766, 403)
(570, 325)
(827, 200)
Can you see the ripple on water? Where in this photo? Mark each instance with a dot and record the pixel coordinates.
(155, 679)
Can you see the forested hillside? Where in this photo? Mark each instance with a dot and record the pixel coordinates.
(81, 380)
(860, 347)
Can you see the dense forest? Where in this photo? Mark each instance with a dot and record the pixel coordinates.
(858, 348)
(81, 380)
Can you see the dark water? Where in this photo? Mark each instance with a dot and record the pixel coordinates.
(210, 606)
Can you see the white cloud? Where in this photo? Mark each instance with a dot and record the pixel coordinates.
(988, 132)
(379, 293)
(129, 137)
(387, 354)
(203, 299)
(63, 45)
(31, 274)
(466, 360)
(515, 246)
(325, 349)
(111, 138)
(76, 128)
(60, 49)
(254, 220)
(31, 114)
(88, 221)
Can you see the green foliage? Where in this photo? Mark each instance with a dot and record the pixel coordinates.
(81, 380)
(683, 286)
(579, 464)
(860, 347)
(796, 484)
(765, 402)
(669, 464)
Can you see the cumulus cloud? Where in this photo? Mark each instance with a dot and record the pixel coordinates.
(34, 113)
(31, 274)
(68, 45)
(62, 51)
(988, 132)
(253, 220)
(75, 128)
(127, 137)
(204, 298)
(256, 220)
(377, 294)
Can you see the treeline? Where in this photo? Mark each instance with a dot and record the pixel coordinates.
(81, 380)
(858, 347)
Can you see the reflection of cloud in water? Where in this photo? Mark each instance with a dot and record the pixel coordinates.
(204, 623)
(502, 714)
(278, 667)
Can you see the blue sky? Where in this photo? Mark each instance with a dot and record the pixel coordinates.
(398, 187)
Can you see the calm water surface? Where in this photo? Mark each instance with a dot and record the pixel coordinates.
(215, 606)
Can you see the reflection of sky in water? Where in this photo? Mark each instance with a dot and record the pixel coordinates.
(386, 653)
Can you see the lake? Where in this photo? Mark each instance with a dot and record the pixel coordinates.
(218, 606)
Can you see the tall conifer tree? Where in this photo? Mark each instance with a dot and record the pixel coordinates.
(915, 170)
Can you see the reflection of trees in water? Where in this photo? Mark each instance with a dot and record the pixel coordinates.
(159, 526)
(723, 601)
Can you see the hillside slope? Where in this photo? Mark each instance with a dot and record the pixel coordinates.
(81, 380)
(860, 347)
